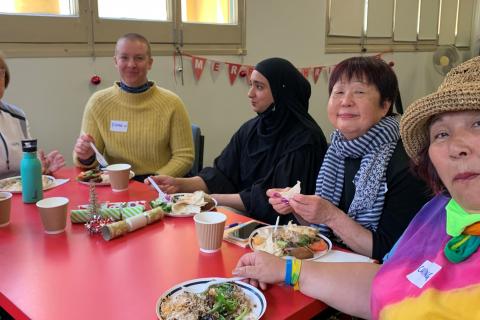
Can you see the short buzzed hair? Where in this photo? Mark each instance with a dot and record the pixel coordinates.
(135, 37)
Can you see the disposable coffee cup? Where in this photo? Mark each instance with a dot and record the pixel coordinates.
(209, 227)
(119, 176)
(5, 206)
(53, 212)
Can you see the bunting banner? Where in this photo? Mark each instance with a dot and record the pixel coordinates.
(316, 74)
(198, 64)
(233, 71)
(305, 72)
(236, 70)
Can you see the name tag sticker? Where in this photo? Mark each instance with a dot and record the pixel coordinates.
(118, 126)
(424, 273)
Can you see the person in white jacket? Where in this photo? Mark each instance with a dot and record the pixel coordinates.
(13, 129)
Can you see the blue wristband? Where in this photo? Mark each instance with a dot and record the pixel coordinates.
(288, 272)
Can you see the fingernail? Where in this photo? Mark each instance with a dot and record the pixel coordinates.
(276, 194)
(235, 272)
(285, 201)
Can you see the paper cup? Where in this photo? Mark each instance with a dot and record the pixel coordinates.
(209, 227)
(5, 205)
(119, 176)
(53, 212)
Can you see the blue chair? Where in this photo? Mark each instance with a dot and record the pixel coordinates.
(198, 142)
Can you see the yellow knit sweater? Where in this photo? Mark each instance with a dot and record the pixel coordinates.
(156, 134)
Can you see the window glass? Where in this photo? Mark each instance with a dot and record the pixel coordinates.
(45, 7)
(155, 10)
(209, 11)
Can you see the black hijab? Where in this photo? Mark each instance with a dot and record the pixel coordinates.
(291, 93)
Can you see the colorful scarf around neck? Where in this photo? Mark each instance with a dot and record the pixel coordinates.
(463, 227)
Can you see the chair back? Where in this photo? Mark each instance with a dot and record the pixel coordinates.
(198, 142)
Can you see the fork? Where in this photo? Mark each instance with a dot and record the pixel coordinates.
(161, 195)
(200, 288)
(101, 160)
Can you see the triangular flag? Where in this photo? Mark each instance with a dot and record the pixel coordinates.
(249, 73)
(233, 70)
(316, 73)
(305, 72)
(198, 64)
(216, 66)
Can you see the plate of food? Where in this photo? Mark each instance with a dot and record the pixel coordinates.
(228, 300)
(301, 242)
(14, 184)
(185, 204)
(96, 176)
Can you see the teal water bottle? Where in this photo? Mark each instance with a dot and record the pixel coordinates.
(31, 172)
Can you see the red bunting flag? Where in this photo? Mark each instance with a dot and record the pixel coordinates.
(305, 72)
(316, 73)
(233, 70)
(198, 64)
(249, 73)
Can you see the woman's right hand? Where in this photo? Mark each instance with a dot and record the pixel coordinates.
(278, 203)
(82, 147)
(260, 268)
(166, 183)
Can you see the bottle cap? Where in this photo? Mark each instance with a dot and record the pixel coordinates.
(29, 145)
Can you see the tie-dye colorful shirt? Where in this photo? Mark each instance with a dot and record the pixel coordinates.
(418, 282)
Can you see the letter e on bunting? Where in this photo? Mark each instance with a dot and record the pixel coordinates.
(198, 64)
(233, 70)
(215, 67)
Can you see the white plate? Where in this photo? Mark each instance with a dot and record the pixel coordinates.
(48, 183)
(170, 214)
(256, 296)
(317, 254)
(105, 180)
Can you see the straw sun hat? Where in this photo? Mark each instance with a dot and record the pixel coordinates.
(460, 91)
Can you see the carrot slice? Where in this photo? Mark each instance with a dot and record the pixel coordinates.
(319, 245)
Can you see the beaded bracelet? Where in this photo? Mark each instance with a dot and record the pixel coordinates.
(288, 272)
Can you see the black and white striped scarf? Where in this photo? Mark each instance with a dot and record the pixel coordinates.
(375, 147)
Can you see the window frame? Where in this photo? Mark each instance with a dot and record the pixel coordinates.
(363, 43)
(89, 35)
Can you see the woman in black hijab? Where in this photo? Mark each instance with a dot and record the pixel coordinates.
(280, 146)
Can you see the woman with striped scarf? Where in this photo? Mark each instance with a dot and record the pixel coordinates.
(365, 194)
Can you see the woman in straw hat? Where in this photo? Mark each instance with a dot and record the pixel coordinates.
(432, 271)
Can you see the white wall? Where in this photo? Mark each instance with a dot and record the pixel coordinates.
(53, 91)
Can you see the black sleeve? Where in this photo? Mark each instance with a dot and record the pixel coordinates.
(405, 196)
(216, 178)
(301, 164)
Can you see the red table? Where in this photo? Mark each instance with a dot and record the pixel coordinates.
(74, 275)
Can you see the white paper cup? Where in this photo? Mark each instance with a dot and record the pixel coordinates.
(53, 212)
(5, 206)
(209, 227)
(119, 176)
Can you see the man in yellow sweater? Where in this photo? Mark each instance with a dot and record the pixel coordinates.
(135, 121)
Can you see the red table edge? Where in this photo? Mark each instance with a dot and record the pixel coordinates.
(11, 309)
